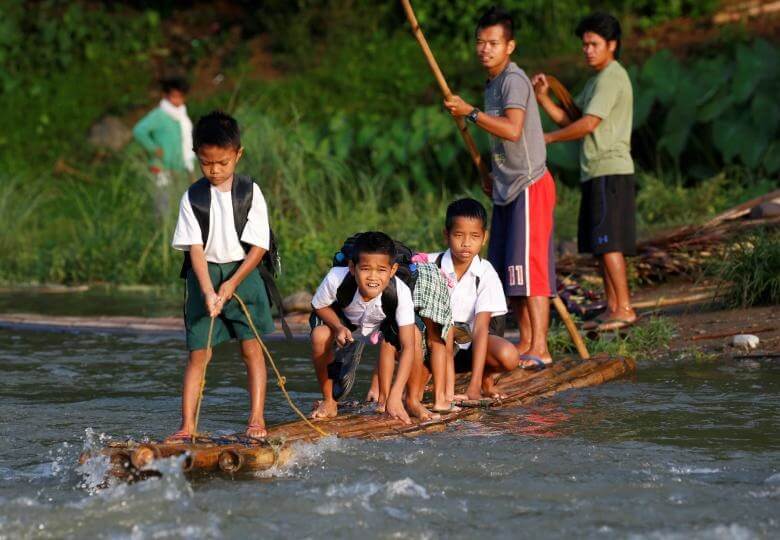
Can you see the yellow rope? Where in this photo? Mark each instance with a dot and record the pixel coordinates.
(203, 379)
(280, 380)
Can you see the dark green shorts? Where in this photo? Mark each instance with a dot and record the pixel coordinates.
(231, 322)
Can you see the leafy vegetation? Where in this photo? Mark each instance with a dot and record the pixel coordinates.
(749, 271)
(644, 341)
(351, 135)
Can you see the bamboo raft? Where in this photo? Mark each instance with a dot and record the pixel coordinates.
(131, 460)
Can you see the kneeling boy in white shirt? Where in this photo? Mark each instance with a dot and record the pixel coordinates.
(373, 269)
(477, 296)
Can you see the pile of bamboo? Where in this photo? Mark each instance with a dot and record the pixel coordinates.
(131, 460)
(684, 250)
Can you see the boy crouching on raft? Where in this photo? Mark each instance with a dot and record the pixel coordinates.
(478, 302)
(371, 274)
(224, 233)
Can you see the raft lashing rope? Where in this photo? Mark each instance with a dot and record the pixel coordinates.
(280, 379)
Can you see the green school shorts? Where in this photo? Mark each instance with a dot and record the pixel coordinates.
(231, 322)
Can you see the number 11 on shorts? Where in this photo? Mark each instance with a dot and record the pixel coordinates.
(515, 273)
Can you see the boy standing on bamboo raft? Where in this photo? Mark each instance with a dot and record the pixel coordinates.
(523, 190)
(224, 233)
(607, 227)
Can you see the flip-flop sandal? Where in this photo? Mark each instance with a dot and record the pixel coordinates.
(594, 322)
(342, 369)
(609, 325)
(451, 409)
(539, 364)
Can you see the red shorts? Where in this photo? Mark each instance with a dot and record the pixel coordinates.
(521, 245)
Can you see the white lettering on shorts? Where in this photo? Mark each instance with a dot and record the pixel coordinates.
(515, 274)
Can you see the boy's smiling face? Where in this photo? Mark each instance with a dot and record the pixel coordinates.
(372, 272)
(218, 163)
(465, 238)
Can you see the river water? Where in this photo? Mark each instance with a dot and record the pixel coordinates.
(686, 450)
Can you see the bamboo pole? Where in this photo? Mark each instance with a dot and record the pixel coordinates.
(477, 158)
(484, 174)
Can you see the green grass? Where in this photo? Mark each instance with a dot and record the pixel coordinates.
(749, 271)
(647, 340)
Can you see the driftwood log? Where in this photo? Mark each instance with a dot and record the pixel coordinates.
(682, 251)
(131, 460)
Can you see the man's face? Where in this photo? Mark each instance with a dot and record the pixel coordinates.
(598, 51)
(493, 49)
(176, 97)
(218, 163)
(373, 272)
(465, 238)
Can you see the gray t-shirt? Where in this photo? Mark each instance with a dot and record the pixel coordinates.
(516, 165)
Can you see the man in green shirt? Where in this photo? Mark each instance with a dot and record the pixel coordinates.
(166, 133)
(607, 227)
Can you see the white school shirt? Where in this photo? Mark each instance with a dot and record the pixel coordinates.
(367, 316)
(465, 298)
(223, 245)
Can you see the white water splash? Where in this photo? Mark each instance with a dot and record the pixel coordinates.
(406, 487)
(304, 455)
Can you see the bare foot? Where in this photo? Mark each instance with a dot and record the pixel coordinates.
(381, 407)
(472, 395)
(395, 409)
(489, 388)
(256, 430)
(325, 409)
(373, 395)
(180, 437)
(459, 397)
(417, 410)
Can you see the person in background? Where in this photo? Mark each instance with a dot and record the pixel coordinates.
(607, 221)
(166, 133)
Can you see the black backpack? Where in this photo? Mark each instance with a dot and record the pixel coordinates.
(497, 323)
(241, 192)
(407, 272)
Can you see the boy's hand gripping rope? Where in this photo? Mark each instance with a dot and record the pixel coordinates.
(280, 380)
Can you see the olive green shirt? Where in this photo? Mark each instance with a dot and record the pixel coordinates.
(607, 150)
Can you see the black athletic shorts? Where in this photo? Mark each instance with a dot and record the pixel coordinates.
(607, 220)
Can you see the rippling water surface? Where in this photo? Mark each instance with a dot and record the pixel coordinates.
(686, 450)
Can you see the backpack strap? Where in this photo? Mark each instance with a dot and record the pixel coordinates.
(346, 292)
(241, 195)
(389, 326)
(439, 258)
(199, 195)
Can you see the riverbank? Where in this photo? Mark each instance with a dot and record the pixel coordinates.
(700, 328)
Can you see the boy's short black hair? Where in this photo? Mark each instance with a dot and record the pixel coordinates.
(602, 24)
(169, 84)
(373, 242)
(496, 15)
(216, 129)
(468, 208)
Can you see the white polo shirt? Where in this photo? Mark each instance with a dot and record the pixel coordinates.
(466, 299)
(366, 315)
(223, 245)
